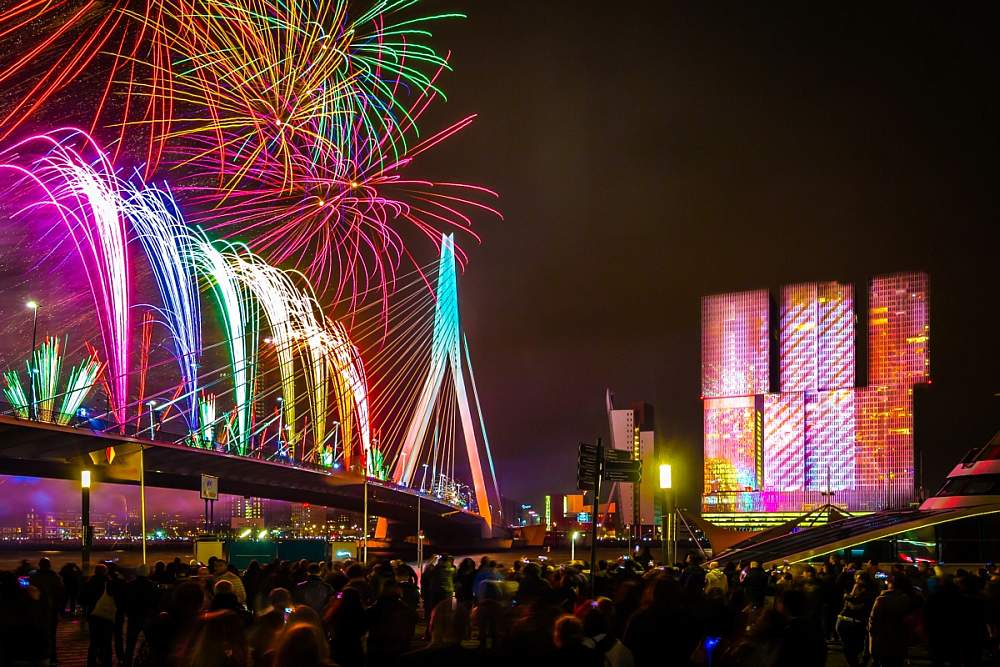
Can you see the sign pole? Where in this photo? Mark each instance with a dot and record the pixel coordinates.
(142, 497)
(598, 468)
(209, 492)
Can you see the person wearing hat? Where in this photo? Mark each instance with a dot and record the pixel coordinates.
(142, 599)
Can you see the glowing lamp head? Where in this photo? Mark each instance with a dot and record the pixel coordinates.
(576, 535)
(666, 480)
(84, 479)
(32, 305)
(354, 185)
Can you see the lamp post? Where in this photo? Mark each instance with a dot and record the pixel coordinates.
(420, 537)
(33, 305)
(85, 519)
(667, 516)
(572, 545)
(420, 532)
(142, 477)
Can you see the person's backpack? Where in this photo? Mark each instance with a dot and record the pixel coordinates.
(105, 607)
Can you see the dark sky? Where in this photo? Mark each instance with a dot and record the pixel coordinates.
(648, 153)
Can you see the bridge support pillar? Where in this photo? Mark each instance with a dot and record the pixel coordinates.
(381, 528)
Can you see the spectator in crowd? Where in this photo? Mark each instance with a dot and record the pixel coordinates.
(101, 609)
(220, 570)
(301, 645)
(313, 592)
(535, 613)
(391, 623)
(596, 616)
(53, 598)
(142, 600)
(715, 580)
(345, 623)
(71, 576)
(887, 631)
(269, 624)
(571, 650)
(448, 625)
(851, 625)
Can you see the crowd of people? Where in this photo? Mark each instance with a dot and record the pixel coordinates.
(633, 612)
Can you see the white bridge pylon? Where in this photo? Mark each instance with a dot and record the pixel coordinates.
(446, 352)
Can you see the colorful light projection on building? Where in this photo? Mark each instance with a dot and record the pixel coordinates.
(734, 330)
(821, 433)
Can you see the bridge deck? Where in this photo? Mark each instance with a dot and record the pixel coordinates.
(60, 452)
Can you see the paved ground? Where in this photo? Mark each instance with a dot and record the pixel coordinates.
(73, 642)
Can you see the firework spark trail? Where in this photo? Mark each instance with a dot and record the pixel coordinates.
(343, 231)
(82, 379)
(262, 82)
(83, 193)
(116, 38)
(317, 377)
(206, 410)
(302, 113)
(239, 316)
(351, 386)
(299, 119)
(14, 391)
(278, 298)
(46, 366)
(297, 323)
(160, 228)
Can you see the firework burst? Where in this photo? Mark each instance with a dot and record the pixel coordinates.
(49, 46)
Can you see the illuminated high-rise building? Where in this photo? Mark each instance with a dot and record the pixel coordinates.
(783, 444)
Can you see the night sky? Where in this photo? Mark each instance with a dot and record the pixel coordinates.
(651, 153)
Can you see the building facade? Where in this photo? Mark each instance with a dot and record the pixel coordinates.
(632, 429)
(808, 397)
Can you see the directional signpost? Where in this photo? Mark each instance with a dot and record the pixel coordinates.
(594, 464)
(586, 466)
(626, 471)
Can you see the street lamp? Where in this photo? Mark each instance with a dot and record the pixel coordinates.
(33, 305)
(572, 545)
(667, 517)
(85, 518)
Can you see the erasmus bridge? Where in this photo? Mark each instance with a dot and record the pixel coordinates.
(234, 369)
